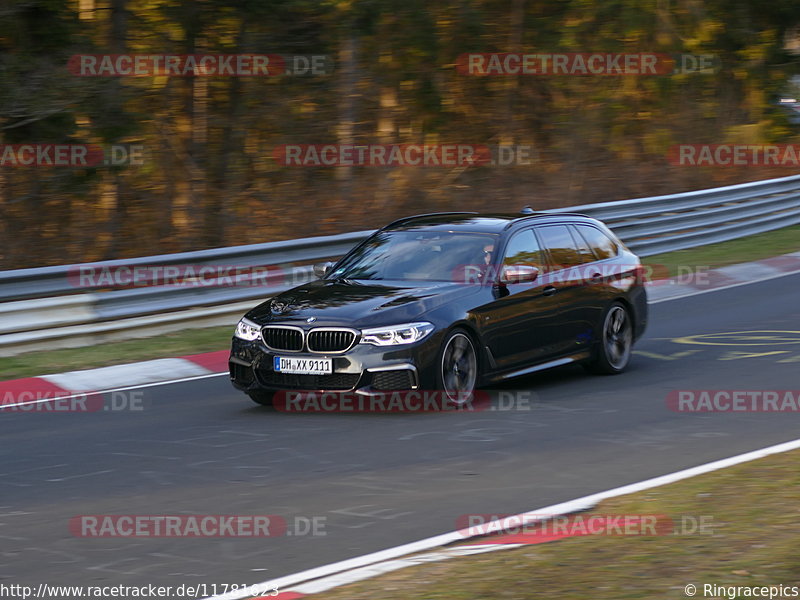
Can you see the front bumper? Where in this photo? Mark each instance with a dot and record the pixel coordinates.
(363, 369)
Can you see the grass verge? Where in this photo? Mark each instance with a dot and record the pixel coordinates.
(755, 542)
(714, 256)
(194, 341)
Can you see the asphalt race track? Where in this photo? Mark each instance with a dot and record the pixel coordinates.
(380, 480)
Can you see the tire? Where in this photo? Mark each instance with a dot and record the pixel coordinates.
(262, 397)
(613, 352)
(458, 367)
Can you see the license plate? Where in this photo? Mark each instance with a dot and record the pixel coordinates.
(303, 366)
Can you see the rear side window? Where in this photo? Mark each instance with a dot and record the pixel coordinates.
(602, 245)
(523, 249)
(584, 250)
(558, 241)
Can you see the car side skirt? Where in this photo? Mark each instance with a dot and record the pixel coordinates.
(558, 362)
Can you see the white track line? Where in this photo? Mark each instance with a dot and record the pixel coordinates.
(328, 583)
(563, 508)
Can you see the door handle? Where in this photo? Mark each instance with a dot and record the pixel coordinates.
(549, 291)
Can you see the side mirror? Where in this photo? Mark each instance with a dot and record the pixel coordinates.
(518, 274)
(322, 269)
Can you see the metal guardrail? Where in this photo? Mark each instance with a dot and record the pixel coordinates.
(44, 307)
(42, 282)
(675, 222)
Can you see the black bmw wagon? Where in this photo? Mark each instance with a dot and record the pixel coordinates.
(450, 302)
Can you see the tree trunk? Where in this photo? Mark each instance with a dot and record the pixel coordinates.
(348, 94)
(111, 197)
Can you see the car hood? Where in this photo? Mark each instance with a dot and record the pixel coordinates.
(358, 303)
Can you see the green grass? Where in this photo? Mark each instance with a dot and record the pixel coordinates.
(747, 249)
(756, 537)
(713, 256)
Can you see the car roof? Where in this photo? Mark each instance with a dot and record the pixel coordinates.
(473, 221)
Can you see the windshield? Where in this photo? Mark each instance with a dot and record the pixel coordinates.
(417, 255)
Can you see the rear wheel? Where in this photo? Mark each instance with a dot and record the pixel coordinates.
(614, 351)
(261, 397)
(458, 372)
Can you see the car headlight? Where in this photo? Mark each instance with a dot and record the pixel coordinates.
(395, 335)
(247, 330)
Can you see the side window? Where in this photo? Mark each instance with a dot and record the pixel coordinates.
(523, 249)
(603, 246)
(585, 252)
(558, 240)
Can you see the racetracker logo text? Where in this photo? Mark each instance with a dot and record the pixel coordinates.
(534, 528)
(389, 402)
(194, 526)
(404, 155)
(70, 155)
(121, 276)
(563, 525)
(758, 401)
(584, 63)
(382, 155)
(30, 401)
(735, 155)
(198, 65)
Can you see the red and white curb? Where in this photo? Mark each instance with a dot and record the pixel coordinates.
(31, 390)
(328, 577)
(700, 282)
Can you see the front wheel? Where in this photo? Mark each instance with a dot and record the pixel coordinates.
(614, 350)
(261, 397)
(457, 373)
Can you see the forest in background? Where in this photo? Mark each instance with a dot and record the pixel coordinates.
(209, 178)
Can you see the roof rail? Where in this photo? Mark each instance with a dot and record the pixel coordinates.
(404, 219)
(539, 215)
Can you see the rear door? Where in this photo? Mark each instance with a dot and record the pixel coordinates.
(569, 272)
(610, 273)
